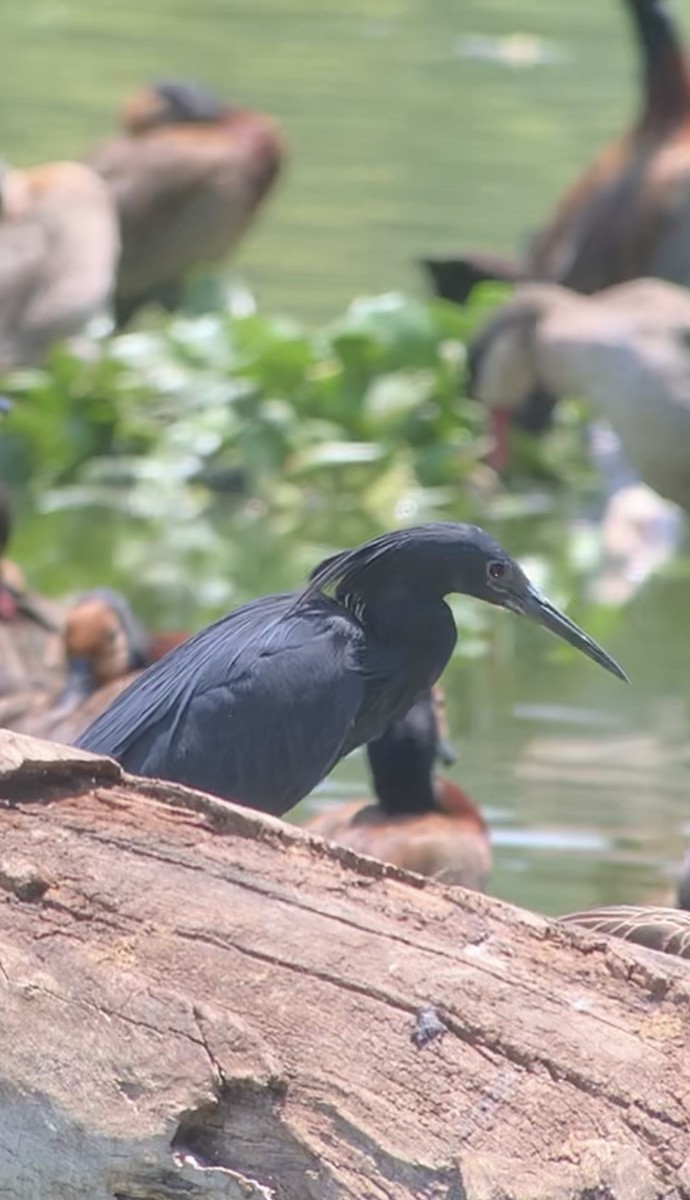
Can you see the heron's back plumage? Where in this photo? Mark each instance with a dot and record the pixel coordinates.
(249, 666)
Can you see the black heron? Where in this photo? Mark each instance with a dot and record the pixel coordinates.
(259, 706)
(419, 820)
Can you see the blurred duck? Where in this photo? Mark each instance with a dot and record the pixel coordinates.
(628, 214)
(31, 655)
(187, 175)
(419, 822)
(160, 644)
(59, 244)
(626, 351)
(455, 278)
(663, 929)
(103, 645)
(640, 532)
(12, 581)
(103, 642)
(104, 648)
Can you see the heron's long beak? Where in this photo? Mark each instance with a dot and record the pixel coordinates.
(532, 604)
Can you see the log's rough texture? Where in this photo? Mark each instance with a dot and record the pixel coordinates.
(197, 1002)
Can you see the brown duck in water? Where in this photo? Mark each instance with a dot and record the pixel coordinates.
(664, 929)
(419, 821)
(102, 644)
(59, 244)
(105, 648)
(187, 175)
(628, 213)
(625, 350)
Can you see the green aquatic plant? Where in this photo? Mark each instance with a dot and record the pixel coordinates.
(256, 405)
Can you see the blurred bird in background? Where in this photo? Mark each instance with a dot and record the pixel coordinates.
(59, 245)
(187, 175)
(419, 820)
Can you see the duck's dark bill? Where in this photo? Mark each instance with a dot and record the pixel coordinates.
(542, 612)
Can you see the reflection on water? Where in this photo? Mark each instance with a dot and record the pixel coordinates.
(404, 141)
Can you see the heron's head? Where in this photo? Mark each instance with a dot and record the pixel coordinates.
(413, 567)
(487, 571)
(171, 102)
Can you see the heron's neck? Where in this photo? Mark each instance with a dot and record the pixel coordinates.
(417, 624)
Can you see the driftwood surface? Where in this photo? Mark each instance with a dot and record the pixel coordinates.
(197, 1001)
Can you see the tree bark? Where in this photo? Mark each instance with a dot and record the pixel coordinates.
(197, 1001)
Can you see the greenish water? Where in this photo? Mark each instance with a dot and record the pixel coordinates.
(400, 146)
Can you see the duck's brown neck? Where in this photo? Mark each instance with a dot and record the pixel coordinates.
(665, 69)
(112, 662)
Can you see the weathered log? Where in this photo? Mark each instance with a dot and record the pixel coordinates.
(197, 1001)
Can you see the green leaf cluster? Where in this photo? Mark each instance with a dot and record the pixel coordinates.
(369, 406)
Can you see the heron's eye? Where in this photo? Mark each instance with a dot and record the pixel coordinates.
(496, 570)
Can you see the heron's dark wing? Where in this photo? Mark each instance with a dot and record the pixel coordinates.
(256, 709)
(164, 689)
(280, 725)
